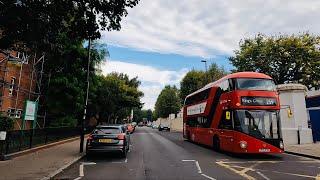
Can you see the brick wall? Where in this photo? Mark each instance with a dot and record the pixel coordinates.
(12, 95)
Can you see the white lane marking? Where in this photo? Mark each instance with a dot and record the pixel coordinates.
(81, 173)
(78, 178)
(81, 167)
(211, 178)
(199, 168)
(262, 175)
(89, 163)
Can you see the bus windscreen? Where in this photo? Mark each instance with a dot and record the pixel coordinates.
(261, 124)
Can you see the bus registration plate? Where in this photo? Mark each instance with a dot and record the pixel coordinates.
(264, 150)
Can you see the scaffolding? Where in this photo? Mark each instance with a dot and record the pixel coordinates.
(33, 73)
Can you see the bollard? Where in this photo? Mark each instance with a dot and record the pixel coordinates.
(298, 133)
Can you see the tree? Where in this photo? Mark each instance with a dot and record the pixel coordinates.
(114, 97)
(139, 114)
(215, 73)
(287, 59)
(191, 82)
(59, 29)
(168, 102)
(65, 89)
(38, 24)
(195, 80)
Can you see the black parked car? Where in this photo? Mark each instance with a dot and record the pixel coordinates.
(109, 138)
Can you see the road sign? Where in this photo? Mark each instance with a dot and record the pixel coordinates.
(3, 135)
(30, 110)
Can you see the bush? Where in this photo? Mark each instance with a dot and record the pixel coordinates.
(67, 121)
(6, 123)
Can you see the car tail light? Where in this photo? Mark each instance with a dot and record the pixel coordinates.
(121, 136)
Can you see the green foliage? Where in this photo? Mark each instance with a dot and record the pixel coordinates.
(195, 80)
(6, 123)
(287, 59)
(38, 24)
(139, 114)
(191, 82)
(66, 121)
(114, 97)
(214, 73)
(66, 73)
(168, 102)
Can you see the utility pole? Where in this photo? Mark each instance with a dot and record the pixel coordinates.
(86, 101)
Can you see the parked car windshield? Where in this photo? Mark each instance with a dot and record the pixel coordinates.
(107, 130)
(255, 84)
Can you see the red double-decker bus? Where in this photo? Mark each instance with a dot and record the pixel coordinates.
(238, 113)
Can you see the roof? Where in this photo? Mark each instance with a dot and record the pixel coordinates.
(234, 75)
(111, 125)
(311, 94)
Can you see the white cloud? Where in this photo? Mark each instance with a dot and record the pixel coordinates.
(153, 79)
(210, 27)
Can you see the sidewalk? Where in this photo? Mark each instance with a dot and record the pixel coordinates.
(311, 150)
(42, 163)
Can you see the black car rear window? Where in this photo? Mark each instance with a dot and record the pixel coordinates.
(107, 130)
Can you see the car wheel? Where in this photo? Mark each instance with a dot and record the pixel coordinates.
(216, 143)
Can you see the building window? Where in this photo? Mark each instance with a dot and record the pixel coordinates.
(18, 113)
(10, 112)
(11, 87)
(14, 113)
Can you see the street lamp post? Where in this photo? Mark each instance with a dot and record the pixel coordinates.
(205, 63)
(86, 101)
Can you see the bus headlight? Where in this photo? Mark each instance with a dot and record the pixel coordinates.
(243, 144)
(281, 145)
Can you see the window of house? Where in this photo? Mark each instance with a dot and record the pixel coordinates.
(12, 84)
(18, 113)
(10, 112)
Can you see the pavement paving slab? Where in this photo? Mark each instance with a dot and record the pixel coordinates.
(40, 164)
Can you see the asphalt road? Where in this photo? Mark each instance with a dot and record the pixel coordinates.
(165, 155)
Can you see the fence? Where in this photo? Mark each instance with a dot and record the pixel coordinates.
(20, 140)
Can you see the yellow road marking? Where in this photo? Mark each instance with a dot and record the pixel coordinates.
(243, 174)
(231, 166)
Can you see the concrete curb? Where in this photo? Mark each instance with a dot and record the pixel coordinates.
(51, 175)
(303, 155)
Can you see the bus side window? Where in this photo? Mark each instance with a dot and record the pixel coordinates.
(224, 86)
(192, 122)
(226, 120)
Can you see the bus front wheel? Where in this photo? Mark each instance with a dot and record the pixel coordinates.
(216, 143)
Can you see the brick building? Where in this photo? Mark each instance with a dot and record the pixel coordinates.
(18, 83)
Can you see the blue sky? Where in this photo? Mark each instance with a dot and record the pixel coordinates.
(165, 61)
(161, 40)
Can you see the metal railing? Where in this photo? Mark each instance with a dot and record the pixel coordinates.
(20, 140)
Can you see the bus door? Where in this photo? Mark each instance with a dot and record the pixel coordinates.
(226, 131)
